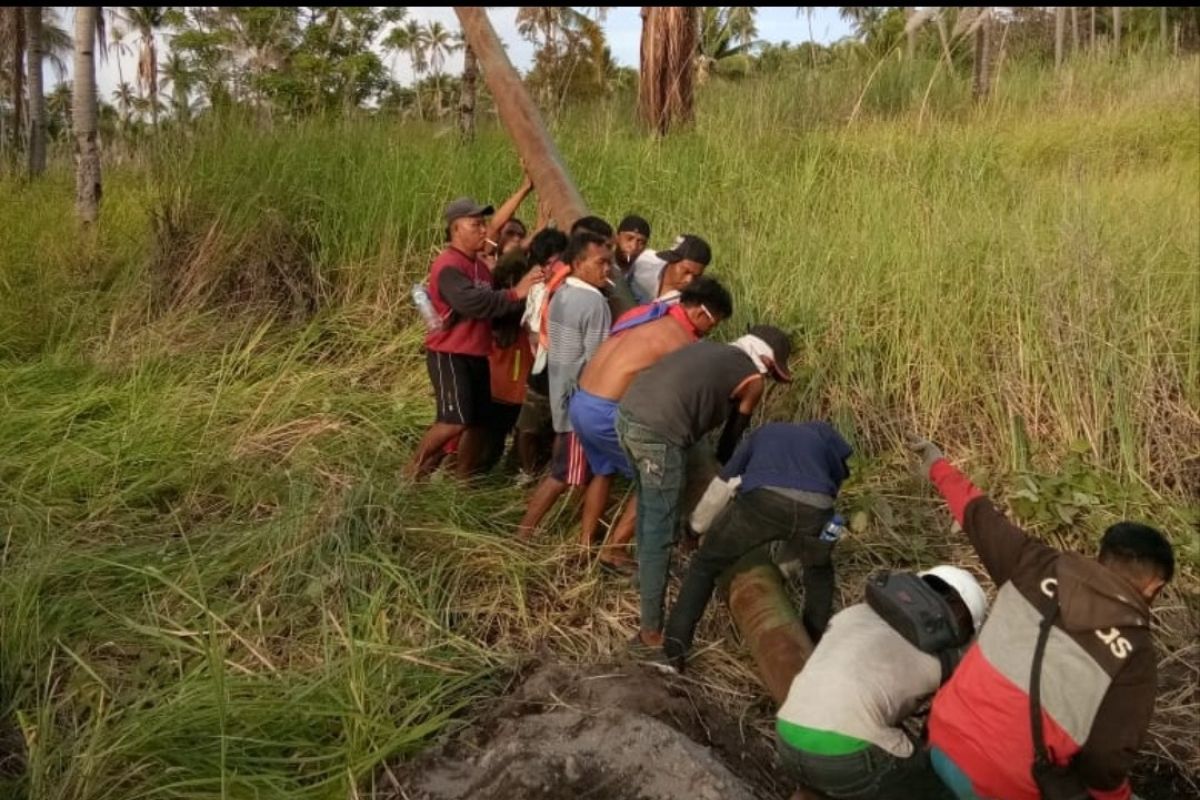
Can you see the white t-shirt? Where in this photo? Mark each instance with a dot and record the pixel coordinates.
(644, 275)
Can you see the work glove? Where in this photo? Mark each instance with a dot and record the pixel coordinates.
(927, 451)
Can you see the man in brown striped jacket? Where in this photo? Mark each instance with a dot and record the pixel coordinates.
(1098, 674)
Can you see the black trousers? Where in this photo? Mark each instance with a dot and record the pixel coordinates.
(870, 774)
(752, 520)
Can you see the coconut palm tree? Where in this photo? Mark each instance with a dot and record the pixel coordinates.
(469, 89)
(146, 20)
(37, 98)
(410, 40)
(125, 99)
(88, 27)
(178, 77)
(58, 110)
(117, 42)
(670, 38)
(976, 21)
(1060, 34)
(439, 43)
(13, 34)
(725, 34)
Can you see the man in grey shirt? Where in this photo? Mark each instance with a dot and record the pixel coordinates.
(840, 729)
(578, 322)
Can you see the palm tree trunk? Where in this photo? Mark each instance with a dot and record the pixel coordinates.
(1060, 34)
(520, 117)
(910, 47)
(417, 86)
(1092, 32)
(1116, 21)
(665, 86)
(982, 81)
(153, 81)
(470, 80)
(1074, 29)
(944, 37)
(87, 149)
(17, 72)
(37, 97)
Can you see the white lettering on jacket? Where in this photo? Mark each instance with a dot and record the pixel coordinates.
(1118, 645)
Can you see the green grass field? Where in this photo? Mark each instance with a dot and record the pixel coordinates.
(213, 582)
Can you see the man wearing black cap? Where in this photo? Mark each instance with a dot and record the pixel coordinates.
(665, 412)
(662, 275)
(464, 296)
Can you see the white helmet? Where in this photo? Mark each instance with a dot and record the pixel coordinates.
(966, 586)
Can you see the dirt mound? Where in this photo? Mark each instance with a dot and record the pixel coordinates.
(620, 733)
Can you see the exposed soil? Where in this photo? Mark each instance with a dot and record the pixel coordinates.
(623, 732)
(603, 733)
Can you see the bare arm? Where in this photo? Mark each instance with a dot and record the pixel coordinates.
(509, 209)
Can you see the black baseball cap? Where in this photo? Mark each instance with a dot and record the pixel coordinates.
(781, 348)
(465, 207)
(635, 224)
(693, 248)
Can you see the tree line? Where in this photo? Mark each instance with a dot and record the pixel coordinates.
(280, 64)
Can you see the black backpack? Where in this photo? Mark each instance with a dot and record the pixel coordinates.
(917, 612)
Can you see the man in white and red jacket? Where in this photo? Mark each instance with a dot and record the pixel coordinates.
(465, 297)
(1097, 679)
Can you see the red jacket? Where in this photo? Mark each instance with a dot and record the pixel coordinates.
(1098, 675)
(466, 299)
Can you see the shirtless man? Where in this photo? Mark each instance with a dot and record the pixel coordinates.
(635, 345)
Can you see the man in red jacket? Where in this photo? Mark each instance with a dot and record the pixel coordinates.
(1097, 676)
(465, 297)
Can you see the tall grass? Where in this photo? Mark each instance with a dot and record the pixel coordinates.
(213, 583)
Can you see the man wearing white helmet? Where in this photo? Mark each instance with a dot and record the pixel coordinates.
(840, 729)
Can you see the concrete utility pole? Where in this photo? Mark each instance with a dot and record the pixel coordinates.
(521, 119)
(768, 622)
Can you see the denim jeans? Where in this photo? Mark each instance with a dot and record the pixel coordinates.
(660, 469)
(869, 774)
(750, 521)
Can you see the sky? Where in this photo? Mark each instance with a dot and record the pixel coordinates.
(622, 26)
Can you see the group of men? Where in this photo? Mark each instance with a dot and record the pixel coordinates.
(595, 346)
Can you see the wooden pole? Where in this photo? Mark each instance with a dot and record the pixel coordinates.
(521, 119)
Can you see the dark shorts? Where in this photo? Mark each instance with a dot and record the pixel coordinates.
(569, 463)
(462, 386)
(535, 415)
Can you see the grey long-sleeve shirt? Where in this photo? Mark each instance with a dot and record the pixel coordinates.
(579, 320)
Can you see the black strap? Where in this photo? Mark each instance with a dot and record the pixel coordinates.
(1040, 754)
(948, 658)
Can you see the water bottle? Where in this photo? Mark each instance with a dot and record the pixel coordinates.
(424, 304)
(833, 529)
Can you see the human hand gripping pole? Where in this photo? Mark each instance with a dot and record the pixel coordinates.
(927, 451)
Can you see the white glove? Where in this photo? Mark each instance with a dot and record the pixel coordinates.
(716, 497)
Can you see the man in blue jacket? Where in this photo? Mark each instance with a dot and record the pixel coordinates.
(779, 485)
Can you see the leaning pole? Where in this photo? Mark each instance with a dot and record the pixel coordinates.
(758, 601)
(522, 120)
